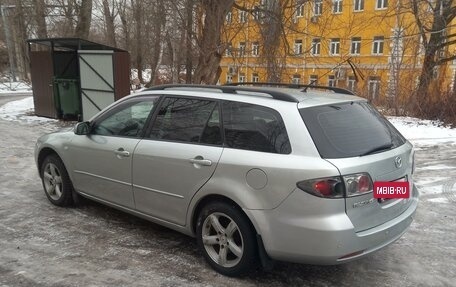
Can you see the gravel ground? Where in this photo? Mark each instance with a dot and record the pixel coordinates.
(93, 245)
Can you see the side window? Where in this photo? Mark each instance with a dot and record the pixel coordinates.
(254, 127)
(128, 121)
(188, 120)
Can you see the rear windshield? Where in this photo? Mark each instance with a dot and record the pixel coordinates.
(350, 129)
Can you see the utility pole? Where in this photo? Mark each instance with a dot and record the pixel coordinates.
(4, 11)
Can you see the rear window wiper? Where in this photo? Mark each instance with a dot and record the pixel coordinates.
(378, 148)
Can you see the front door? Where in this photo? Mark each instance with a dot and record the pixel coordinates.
(102, 160)
(177, 158)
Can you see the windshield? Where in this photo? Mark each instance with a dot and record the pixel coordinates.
(350, 129)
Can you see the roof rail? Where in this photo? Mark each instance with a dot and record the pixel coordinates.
(294, 86)
(278, 95)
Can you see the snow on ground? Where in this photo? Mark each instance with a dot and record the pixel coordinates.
(22, 110)
(8, 88)
(423, 132)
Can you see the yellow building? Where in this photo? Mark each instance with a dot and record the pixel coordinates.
(361, 45)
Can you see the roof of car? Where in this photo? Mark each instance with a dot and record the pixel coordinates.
(307, 97)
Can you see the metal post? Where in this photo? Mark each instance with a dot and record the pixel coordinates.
(9, 44)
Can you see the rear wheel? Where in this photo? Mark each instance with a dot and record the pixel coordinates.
(226, 239)
(56, 182)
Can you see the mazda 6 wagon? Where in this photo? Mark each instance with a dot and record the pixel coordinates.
(254, 173)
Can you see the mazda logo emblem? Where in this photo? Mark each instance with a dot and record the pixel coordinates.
(398, 161)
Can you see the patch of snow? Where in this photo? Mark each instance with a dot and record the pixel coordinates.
(423, 132)
(436, 167)
(15, 88)
(439, 200)
(22, 110)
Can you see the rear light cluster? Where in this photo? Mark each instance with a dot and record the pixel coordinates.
(338, 187)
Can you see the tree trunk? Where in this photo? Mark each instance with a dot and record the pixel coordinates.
(84, 19)
(208, 68)
(188, 41)
(109, 22)
(40, 13)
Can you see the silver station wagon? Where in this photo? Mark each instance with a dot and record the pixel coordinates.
(255, 173)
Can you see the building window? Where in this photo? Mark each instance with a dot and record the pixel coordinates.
(228, 17)
(381, 4)
(243, 16)
(334, 46)
(355, 47)
(296, 79)
(337, 6)
(299, 9)
(318, 7)
(241, 49)
(331, 80)
(255, 78)
(298, 47)
(316, 46)
(229, 50)
(256, 13)
(377, 45)
(255, 49)
(351, 83)
(241, 78)
(358, 5)
(313, 80)
(229, 78)
(373, 87)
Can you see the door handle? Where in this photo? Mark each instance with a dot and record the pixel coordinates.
(201, 161)
(120, 152)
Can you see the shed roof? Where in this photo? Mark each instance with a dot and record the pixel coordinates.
(72, 44)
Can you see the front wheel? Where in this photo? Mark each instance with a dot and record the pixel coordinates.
(226, 239)
(56, 182)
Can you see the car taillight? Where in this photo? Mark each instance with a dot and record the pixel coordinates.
(328, 187)
(357, 184)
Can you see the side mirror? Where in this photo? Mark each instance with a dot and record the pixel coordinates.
(82, 128)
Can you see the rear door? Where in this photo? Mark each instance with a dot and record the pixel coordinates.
(178, 157)
(356, 138)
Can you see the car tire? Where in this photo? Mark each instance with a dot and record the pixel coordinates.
(56, 182)
(226, 239)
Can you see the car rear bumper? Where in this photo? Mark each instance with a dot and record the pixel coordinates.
(289, 234)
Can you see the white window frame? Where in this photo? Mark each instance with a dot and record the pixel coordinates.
(298, 47)
(229, 50)
(316, 47)
(229, 17)
(381, 4)
(331, 80)
(337, 7)
(318, 7)
(358, 5)
(242, 78)
(229, 78)
(334, 47)
(373, 88)
(296, 79)
(255, 49)
(300, 9)
(255, 78)
(243, 16)
(241, 49)
(355, 46)
(378, 45)
(351, 83)
(313, 80)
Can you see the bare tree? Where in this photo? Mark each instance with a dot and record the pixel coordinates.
(82, 29)
(207, 70)
(109, 16)
(433, 19)
(40, 20)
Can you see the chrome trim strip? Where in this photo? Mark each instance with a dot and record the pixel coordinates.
(158, 191)
(102, 177)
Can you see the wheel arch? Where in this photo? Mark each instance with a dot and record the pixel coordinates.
(45, 152)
